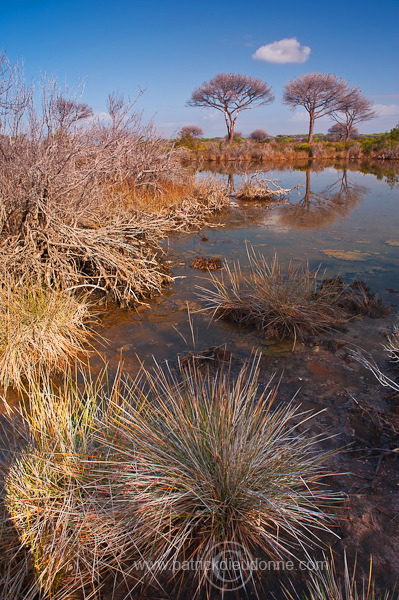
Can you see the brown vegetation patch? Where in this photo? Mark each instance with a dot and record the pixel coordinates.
(356, 298)
(206, 263)
(213, 358)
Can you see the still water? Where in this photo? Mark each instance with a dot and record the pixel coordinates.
(344, 219)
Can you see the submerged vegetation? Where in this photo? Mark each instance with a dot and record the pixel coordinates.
(161, 469)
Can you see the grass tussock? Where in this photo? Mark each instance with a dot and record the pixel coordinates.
(41, 330)
(356, 298)
(162, 468)
(278, 303)
(217, 463)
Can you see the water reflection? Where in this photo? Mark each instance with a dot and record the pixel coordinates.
(364, 208)
(319, 209)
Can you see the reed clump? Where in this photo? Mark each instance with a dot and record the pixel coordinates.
(279, 303)
(166, 467)
(41, 329)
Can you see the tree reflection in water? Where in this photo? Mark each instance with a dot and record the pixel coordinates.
(315, 210)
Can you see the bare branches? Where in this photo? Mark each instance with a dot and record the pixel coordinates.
(230, 93)
(319, 93)
(65, 177)
(353, 108)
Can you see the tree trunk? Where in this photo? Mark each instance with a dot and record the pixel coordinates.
(311, 127)
(307, 188)
(230, 122)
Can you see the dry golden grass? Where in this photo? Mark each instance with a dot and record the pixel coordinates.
(62, 497)
(169, 195)
(41, 330)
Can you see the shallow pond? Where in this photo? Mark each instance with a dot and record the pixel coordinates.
(347, 221)
(343, 219)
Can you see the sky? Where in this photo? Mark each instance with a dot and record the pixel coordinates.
(169, 48)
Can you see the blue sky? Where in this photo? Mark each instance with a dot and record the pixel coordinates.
(169, 48)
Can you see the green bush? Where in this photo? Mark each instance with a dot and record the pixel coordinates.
(301, 147)
(344, 145)
(368, 144)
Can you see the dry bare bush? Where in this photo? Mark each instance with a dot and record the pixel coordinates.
(260, 189)
(191, 131)
(41, 330)
(258, 135)
(278, 303)
(64, 176)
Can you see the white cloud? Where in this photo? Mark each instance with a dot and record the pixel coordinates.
(288, 50)
(300, 116)
(100, 117)
(386, 110)
(212, 115)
